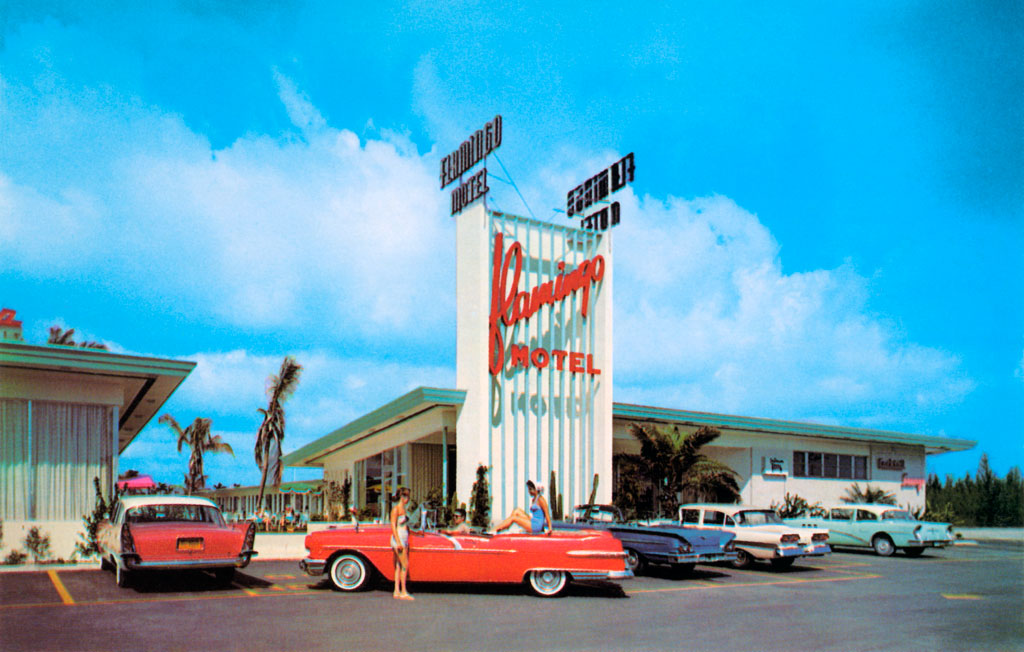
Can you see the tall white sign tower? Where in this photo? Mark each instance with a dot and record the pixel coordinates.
(534, 353)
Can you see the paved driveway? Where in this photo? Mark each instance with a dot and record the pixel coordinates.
(959, 598)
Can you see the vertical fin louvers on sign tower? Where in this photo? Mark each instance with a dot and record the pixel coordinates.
(535, 356)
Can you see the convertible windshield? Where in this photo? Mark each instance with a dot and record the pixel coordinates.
(897, 515)
(758, 517)
(175, 513)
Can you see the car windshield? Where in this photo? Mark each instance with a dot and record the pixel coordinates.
(597, 515)
(175, 513)
(897, 515)
(757, 517)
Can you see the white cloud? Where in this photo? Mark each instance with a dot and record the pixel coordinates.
(707, 320)
(329, 232)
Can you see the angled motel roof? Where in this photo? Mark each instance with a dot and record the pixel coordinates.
(404, 407)
(143, 384)
(932, 444)
(425, 398)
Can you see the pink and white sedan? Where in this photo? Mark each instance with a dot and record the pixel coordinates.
(173, 533)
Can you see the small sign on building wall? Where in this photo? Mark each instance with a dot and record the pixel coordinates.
(774, 465)
(890, 464)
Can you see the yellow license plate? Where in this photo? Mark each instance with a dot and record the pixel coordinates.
(190, 544)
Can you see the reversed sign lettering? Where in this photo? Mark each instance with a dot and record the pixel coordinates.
(481, 143)
(890, 464)
(597, 189)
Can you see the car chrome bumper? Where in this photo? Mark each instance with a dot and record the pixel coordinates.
(602, 575)
(817, 549)
(132, 561)
(714, 557)
(789, 551)
(938, 543)
(312, 567)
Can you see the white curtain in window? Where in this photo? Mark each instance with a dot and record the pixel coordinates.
(15, 461)
(71, 444)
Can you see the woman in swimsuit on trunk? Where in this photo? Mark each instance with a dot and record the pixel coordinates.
(400, 542)
(539, 518)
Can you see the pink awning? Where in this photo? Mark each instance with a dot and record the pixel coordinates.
(138, 482)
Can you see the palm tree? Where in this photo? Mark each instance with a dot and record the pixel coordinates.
(271, 433)
(674, 463)
(869, 494)
(61, 336)
(199, 440)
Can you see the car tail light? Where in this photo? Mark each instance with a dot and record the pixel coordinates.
(250, 537)
(684, 546)
(729, 547)
(819, 537)
(790, 538)
(127, 541)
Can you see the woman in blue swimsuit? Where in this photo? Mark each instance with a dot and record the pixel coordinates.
(537, 521)
(400, 542)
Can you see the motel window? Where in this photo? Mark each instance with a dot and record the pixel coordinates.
(845, 466)
(829, 465)
(49, 454)
(860, 468)
(814, 465)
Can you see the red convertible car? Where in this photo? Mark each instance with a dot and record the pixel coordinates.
(352, 556)
(173, 533)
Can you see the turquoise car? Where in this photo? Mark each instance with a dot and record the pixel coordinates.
(885, 528)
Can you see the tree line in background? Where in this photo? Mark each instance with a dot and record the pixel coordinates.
(986, 500)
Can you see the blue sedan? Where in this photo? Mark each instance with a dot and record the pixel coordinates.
(680, 548)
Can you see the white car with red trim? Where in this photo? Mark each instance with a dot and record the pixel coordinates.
(760, 533)
(173, 533)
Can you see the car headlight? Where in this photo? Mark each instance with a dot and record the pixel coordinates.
(684, 547)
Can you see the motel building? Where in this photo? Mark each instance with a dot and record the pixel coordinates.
(66, 413)
(534, 377)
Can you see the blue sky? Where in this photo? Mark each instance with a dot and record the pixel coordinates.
(827, 222)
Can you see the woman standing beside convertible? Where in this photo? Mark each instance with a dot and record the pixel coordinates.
(400, 542)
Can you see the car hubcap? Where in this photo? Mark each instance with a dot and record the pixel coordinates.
(348, 573)
(633, 559)
(548, 582)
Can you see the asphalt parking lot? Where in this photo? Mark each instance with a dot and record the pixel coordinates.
(958, 598)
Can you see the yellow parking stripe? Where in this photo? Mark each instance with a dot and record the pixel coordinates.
(960, 596)
(65, 597)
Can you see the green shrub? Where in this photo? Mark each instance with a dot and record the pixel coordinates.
(480, 500)
(38, 544)
(14, 558)
(87, 546)
(793, 506)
